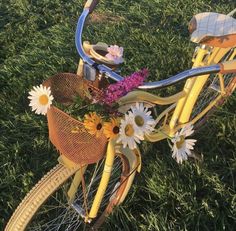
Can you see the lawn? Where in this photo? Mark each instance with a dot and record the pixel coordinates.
(37, 41)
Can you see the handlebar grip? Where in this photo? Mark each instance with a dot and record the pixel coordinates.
(90, 5)
(228, 67)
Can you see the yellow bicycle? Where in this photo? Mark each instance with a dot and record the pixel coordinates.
(86, 185)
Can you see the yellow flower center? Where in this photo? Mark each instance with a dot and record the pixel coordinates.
(43, 99)
(139, 120)
(180, 143)
(129, 130)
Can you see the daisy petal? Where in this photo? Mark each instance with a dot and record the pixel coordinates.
(182, 147)
(40, 99)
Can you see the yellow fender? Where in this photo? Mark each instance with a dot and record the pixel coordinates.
(134, 158)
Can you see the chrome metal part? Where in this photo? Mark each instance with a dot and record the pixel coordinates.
(78, 38)
(181, 76)
(108, 72)
(89, 72)
(78, 209)
(215, 87)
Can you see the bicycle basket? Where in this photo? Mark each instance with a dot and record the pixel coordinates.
(67, 134)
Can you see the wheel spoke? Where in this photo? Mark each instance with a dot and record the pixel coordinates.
(212, 88)
(56, 214)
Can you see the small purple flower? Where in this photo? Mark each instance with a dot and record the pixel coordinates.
(114, 91)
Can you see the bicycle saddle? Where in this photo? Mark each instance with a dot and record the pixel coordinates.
(213, 29)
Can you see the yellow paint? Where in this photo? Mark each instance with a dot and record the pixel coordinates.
(75, 184)
(104, 180)
(142, 96)
(66, 162)
(222, 86)
(198, 84)
(160, 134)
(88, 4)
(181, 105)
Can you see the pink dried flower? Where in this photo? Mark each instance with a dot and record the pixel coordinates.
(115, 54)
(114, 91)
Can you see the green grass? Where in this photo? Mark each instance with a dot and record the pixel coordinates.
(37, 41)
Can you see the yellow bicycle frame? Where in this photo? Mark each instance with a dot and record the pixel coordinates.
(181, 104)
(198, 83)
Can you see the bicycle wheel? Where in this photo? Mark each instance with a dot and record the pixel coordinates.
(46, 207)
(211, 95)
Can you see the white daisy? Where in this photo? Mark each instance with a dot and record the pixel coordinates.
(128, 134)
(142, 119)
(182, 147)
(40, 99)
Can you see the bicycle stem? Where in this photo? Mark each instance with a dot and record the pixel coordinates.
(103, 69)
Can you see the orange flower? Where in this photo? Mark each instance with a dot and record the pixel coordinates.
(93, 123)
(111, 129)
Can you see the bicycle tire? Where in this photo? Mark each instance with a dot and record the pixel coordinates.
(47, 189)
(210, 92)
